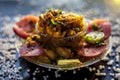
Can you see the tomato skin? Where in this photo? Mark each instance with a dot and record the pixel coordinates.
(91, 51)
(100, 21)
(24, 22)
(20, 32)
(31, 50)
(103, 24)
(23, 28)
(106, 29)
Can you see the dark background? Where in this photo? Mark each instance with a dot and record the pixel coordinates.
(16, 68)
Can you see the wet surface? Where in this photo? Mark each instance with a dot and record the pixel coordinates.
(14, 67)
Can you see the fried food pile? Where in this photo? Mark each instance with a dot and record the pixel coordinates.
(56, 23)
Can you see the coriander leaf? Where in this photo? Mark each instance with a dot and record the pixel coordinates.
(76, 29)
(31, 23)
(98, 43)
(62, 23)
(53, 22)
(59, 11)
(95, 27)
(51, 25)
(50, 10)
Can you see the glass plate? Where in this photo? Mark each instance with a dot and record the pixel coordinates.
(85, 64)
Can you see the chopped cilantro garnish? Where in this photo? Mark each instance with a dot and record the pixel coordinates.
(53, 22)
(50, 10)
(31, 23)
(98, 43)
(51, 25)
(59, 11)
(62, 23)
(95, 27)
(76, 29)
(58, 22)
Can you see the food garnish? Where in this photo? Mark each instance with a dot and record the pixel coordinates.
(66, 63)
(94, 37)
(55, 23)
(62, 39)
(25, 27)
(101, 25)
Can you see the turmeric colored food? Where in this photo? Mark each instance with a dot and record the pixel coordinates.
(64, 40)
(56, 23)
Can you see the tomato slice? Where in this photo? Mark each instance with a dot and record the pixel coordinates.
(91, 51)
(26, 50)
(106, 28)
(20, 32)
(25, 27)
(102, 25)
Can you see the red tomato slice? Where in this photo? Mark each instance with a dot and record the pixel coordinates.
(100, 21)
(20, 32)
(31, 50)
(91, 51)
(104, 25)
(25, 26)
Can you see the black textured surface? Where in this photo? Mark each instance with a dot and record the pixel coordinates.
(13, 67)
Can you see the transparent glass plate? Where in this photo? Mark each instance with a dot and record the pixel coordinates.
(85, 64)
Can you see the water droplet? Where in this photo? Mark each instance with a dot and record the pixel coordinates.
(65, 71)
(49, 69)
(74, 72)
(43, 71)
(44, 77)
